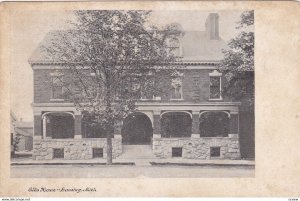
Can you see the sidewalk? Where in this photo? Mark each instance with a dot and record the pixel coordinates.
(137, 162)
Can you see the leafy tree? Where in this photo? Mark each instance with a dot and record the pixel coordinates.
(112, 57)
(238, 63)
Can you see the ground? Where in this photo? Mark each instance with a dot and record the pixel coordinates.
(125, 171)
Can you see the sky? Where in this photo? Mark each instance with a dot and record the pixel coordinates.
(29, 27)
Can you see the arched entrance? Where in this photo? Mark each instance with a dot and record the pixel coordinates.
(137, 129)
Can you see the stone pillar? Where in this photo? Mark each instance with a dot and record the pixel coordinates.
(77, 127)
(156, 124)
(234, 125)
(195, 124)
(44, 127)
(37, 127)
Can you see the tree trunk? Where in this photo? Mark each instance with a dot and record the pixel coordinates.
(109, 149)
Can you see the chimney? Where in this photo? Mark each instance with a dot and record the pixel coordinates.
(212, 26)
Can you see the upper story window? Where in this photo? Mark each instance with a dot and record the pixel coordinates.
(215, 87)
(176, 84)
(57, 85)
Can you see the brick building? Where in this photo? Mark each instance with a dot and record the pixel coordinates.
(192, 120)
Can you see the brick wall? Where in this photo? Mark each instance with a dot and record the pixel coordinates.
(195, 85)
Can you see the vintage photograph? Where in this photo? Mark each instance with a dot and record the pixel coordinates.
(130, 93)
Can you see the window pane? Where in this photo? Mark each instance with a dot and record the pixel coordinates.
(57, 87)
(215, 87)
(57, 92)
(177, 88)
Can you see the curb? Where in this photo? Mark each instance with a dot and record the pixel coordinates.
(16, 164)
(199, 164)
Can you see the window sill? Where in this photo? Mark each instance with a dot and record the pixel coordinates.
(57, 100)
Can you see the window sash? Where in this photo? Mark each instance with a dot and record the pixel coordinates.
(215, 87)
(57, 88)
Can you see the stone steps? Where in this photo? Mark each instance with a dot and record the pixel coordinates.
(137, 152)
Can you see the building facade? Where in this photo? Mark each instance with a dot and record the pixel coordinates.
(191, 120)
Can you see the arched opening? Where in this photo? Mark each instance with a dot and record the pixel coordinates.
(176, 124)
(137, 129)
(59, 125)
(214, 124)
(91, 128)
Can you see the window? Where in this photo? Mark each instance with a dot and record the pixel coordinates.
(57, 87)
(147, 92)
(215, 152)
(58, 153)
(176, 88)
(176, 151)
(97, 152)
(215, 85)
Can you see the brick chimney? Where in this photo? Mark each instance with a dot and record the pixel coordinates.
(212, 26)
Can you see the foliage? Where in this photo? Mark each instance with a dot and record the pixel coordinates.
(238, 63)
(111, 56)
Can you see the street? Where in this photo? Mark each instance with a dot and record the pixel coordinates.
(124, 171)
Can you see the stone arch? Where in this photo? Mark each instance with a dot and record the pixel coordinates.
(57, 112)
(202, 112)
(214, 123)
(169, 111)
(176, 124)
(58, 124)
(137, 129)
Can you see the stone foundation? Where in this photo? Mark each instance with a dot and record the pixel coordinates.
(74, 149)
(198, 148)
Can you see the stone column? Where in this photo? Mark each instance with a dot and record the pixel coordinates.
(77, 127)
(156, 124)
(195, 124)
(37, 126)
(234, 125)
(44, 127)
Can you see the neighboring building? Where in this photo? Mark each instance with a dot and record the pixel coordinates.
(25, 131)
(22, 130)
(13, 118)
(192, 120)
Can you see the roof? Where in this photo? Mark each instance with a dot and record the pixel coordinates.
(195, 45)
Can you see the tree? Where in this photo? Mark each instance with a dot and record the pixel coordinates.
(111, 57)
(15, 142)
(238, 63)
